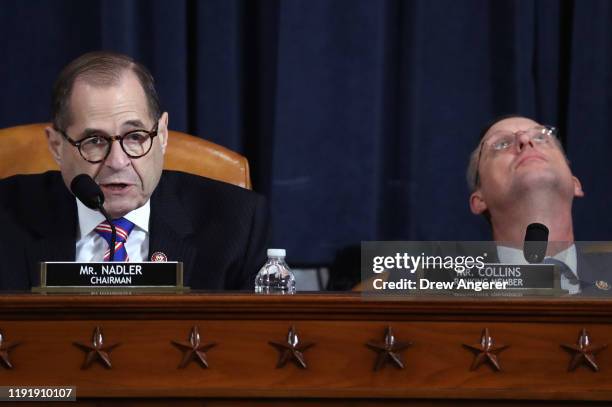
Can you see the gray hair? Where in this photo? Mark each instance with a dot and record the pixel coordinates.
(100, 68)
(471, 174)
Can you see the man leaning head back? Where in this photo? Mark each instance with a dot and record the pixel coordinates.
(107, 124)
(518, 174)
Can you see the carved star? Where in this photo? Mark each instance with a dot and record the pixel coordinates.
(97, 350)
(5, 348)
(194, 349)
(584, 352)
(291, 350)
(486, 351)
(388, 350)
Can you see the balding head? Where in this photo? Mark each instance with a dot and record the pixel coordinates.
(100, 69)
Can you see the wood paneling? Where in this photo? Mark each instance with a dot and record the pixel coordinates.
(340, 365)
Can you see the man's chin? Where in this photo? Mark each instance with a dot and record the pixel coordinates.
(120, 209)
(539, 181)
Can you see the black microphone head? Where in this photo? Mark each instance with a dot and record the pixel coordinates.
(536, 242)
(536, 232)
(87, 191)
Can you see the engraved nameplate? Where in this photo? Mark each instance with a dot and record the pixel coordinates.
(73, 275)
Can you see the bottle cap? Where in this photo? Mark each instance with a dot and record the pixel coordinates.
(277, 252)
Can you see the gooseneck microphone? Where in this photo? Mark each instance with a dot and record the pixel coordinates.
(536, 242)
(88, 192)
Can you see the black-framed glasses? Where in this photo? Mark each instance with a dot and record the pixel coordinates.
(505, 140)
(96, 148)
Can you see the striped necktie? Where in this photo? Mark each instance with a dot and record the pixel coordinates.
(124, 227)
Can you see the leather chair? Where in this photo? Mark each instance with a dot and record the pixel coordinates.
(23, 150)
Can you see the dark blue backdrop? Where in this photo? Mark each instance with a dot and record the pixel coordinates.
(357, 115)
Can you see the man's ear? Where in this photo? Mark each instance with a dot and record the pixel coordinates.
(578, 192)
(477, 203)
(163, 131)
(55, 142)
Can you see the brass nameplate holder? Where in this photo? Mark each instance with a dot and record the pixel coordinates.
(111, 277)
(518, 279)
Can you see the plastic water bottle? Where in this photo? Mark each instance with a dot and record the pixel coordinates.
(275, 277)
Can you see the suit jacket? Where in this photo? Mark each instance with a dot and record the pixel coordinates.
(219, 231)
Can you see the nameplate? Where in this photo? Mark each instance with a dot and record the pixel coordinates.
(511, 276)
(64, 275)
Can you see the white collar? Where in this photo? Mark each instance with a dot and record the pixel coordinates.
(510, 255)
(89, 219)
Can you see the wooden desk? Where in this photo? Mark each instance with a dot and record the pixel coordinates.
(242, 366)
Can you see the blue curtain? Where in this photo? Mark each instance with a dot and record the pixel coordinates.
(357, 116)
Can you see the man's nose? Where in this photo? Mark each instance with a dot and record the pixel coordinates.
(523, 139)
(117, 158)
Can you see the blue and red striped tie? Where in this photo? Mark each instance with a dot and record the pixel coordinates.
(124, 227)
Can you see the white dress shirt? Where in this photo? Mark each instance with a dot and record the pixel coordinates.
(90, 246)
(568, 256)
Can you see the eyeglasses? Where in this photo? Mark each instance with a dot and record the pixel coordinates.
(503, 141)
(96, 148)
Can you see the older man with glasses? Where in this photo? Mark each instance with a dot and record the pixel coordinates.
(107, 123)
(519, 175)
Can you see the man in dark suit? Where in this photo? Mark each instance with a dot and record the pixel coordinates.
(519, 175)
(107, 123)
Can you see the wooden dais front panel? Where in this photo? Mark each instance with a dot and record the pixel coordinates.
(232, 347)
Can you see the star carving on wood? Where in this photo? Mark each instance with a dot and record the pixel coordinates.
(194, 349)
(292, 349)
(97, 350)
(584, 352)
(5, 348)
(388, 350)
(486, 351)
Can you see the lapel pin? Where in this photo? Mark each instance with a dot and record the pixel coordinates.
(159, 256)
(602, 285)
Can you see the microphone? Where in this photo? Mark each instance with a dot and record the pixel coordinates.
(536, 242)
(87, 191)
